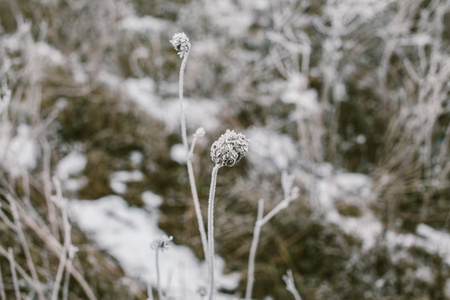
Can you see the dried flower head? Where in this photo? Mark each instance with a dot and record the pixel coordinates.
(162, 243)
(230, 148)
(180, 42)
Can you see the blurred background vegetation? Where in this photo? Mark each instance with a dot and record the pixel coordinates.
(354, 86)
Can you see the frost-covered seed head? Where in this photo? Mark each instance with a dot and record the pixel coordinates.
(230, 148)
(162, 243)
(180, 42)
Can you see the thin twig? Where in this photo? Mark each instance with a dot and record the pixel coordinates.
(47, 186)
(158, 275)
(67, 238)
(18, 268)
(55, 247)
(12, 264)
(253, 248)
(290, 285)
(25, 247)
(212, 193)
(190, 168)
(290, 193)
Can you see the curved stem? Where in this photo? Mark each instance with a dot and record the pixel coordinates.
(198, 212)
(212, 192)
(190, 168)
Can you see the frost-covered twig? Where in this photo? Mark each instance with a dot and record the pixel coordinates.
(181, 44)
(253, 248)
(160, 244)
(37, 225)
(2, 287)
(67, 249)
(198, 133)
(212, 192)
(290, 285)
(26, 249)
(46, 176)
(12, 264)
(230, 148)
(290, 193)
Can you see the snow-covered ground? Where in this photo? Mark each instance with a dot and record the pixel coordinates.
(127, 233)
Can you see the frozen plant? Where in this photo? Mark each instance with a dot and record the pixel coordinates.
(181, 43)
(290, 285)
(230, 148)
(290, 193)
(160, 244)
(68, 249)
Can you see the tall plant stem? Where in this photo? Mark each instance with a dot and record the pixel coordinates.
(253, 248)
(158, 286)
(180, 95)
(190, 168)
(212, 192)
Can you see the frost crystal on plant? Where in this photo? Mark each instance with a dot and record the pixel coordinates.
(180, 42)
(200, 132)
(230, 148)
(162, 243)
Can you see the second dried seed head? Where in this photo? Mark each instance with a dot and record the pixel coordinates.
(230, 148)
(180, 42)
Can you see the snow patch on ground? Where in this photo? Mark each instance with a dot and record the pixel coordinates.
(199, 113)
(73, 163)
(296, 92)
(70, 165)
(270, 151)
(367, 227)
(178, 153)
(118, 180)
(151, 200)
(127, 233)
(436, 241)
(17, 154)
(353, 189)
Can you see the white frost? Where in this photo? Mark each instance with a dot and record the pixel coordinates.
(143, 93)
(127, 233)
(151, 200)
(270, 151)
(178, 153)
(72, 164)
(118, 180)
(18, 154)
